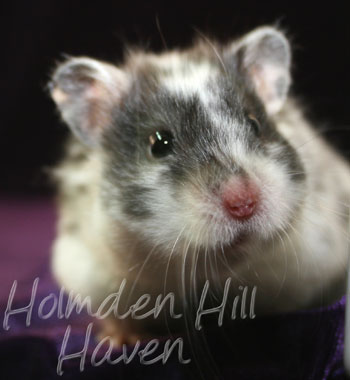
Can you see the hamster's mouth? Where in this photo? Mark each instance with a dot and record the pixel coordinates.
(238, 241)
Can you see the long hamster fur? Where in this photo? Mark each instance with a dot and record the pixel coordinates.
(192, 165)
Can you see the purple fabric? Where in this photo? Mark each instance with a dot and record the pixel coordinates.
(303, 345)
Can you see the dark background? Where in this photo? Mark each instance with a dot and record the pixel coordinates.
(38, 32)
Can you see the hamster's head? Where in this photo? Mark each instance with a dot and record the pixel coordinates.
(191, 154)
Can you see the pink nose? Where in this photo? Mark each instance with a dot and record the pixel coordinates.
(240, 198)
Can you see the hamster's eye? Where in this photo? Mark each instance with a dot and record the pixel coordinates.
(255, 124)
(161, 143)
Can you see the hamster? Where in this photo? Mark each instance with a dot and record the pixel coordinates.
(195, 165)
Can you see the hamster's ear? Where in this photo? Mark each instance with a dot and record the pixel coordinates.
(86, 91)
(265, 56)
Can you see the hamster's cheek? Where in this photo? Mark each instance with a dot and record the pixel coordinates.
(280, 195)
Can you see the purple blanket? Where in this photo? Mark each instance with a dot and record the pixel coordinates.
(304, 345)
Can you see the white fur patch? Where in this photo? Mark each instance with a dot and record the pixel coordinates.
(186, 78)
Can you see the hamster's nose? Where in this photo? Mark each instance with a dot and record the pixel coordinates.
(240, 198)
